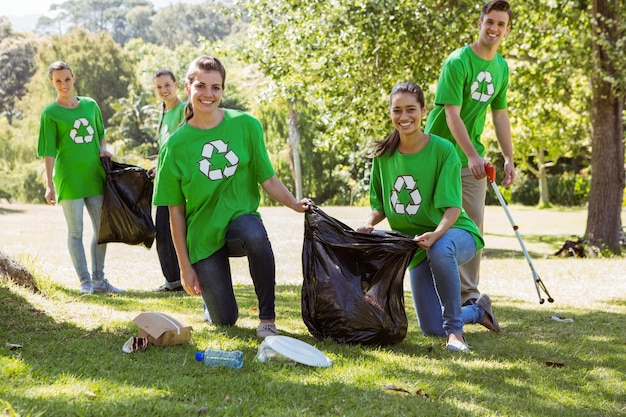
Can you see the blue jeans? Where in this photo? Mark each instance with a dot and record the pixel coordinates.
(73, 211)
(246, 236)
(436, 286)
(165, 248)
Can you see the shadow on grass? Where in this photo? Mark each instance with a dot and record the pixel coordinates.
(556, 241)
(557, 368)
(4, 210)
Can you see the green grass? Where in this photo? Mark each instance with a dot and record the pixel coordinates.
(71, 362)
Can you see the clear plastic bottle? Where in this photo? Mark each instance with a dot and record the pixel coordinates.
(215, 357)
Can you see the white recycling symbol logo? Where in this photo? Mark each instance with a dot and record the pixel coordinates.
(88, 129)
(406, 182)
(483, 94)
(211, 149)
(165, 133)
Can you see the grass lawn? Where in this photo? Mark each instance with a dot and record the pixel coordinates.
(71, 362)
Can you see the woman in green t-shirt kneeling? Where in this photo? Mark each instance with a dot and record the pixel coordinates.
(415, 183)
(208, 174)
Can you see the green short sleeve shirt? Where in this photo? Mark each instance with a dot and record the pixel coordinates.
(415, 190)
(72, 137)
(215, 173)
(171, 122)
(474, 84)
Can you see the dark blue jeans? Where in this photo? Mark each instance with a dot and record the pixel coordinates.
(246, 236)
(165, 248)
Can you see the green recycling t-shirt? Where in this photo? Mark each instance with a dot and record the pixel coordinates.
(415, 190)
(171, 122)
(215, 173)
(72, 137)
(474, 84)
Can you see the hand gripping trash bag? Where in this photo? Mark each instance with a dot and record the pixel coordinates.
(353, 282)
(127, 206)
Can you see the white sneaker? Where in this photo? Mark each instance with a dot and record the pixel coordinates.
(457, 346)
(86, 287)
(266, 329)
(105, 286)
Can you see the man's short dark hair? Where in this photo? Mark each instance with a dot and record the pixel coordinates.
(497, 5)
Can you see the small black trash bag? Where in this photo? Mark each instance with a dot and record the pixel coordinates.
(127, 206)
(353, 282)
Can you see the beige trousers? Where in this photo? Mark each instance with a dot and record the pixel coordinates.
(474, 192)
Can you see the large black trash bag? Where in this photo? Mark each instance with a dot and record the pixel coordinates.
(127, 206)
(353, 282)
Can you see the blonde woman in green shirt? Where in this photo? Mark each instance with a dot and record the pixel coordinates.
(71, 141)
(209, 174)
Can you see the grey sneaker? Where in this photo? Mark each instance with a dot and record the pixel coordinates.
(86, 287)
(266, 329)
(105, 286)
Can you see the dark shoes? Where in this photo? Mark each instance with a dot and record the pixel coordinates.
(167, 287)
(470, 302)
(489, 321)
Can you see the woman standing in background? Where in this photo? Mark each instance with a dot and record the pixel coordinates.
(173, 110)
(71, 141)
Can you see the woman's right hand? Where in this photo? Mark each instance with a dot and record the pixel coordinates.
(189, 280)
(365, 229)
(50, 196)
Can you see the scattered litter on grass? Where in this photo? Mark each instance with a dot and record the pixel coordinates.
(553, 364)
(391, 387)
(90, 394)
(562, 319)
(203, 410)
(135, 344)
(13, 346)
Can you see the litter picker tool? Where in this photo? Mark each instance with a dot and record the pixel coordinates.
(491, 177)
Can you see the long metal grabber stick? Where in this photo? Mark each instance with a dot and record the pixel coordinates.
(539, 286)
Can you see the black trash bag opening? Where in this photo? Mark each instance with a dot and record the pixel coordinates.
(127, 205)
(353, 282)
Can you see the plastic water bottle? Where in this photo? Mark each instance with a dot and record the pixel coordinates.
(215, 357)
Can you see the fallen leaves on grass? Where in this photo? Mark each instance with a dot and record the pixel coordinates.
(419, 392)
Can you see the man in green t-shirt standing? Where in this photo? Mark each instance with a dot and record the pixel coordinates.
(474, 78)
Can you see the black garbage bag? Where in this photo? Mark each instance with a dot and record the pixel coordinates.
(353, 282)
(127, 206)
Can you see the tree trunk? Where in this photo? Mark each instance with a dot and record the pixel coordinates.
(294, 144)
(13, 270)
(607, 156)
(544, 192)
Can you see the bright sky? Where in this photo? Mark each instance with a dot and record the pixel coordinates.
(30, 7)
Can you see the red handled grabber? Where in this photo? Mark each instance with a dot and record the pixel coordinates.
(491, 177)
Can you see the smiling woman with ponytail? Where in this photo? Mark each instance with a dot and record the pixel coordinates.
(172, 113)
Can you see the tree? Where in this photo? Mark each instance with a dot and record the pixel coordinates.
(608, 84)
(122, 19)
(17, 66)
(133, 125)
(548, 96)
(180, 23)
(103, 71)
(343, 57)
